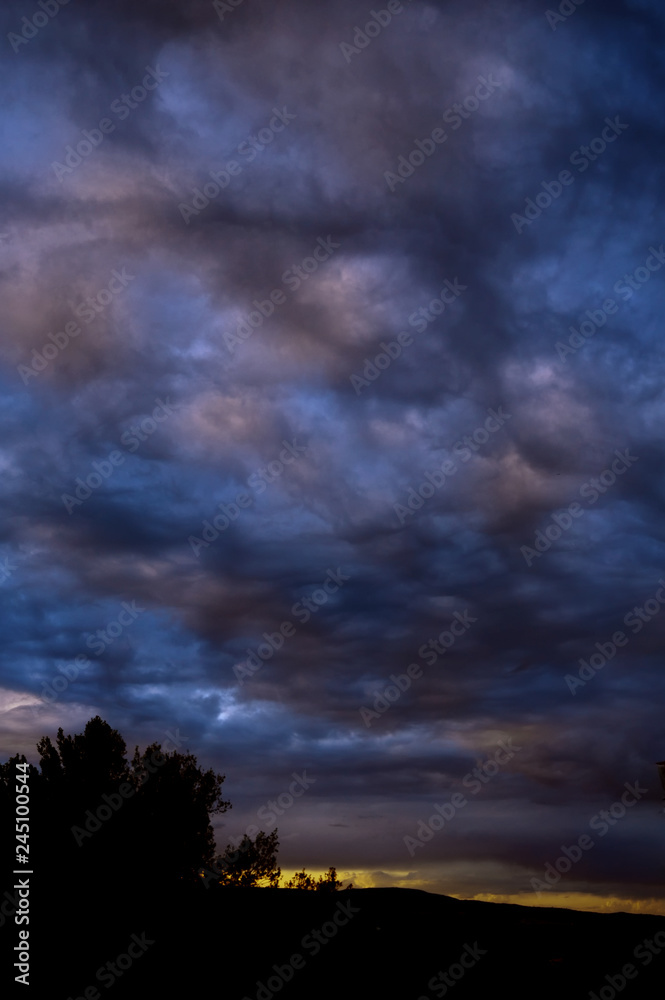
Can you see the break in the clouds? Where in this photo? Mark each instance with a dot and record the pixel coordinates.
(333, 404)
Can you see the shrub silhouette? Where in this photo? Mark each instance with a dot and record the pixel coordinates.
(326, 883)
(251, 863)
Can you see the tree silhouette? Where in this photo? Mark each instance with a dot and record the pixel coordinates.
(325, 883)
(177, 799)
(96, 815)
(91, 761)
(251, 863)
(111, 817)
(301, 880)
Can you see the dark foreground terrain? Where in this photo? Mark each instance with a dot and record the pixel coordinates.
(367, 943)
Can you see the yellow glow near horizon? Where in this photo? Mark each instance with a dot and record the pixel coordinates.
(584, 901)
(581, 901)
(577, 901)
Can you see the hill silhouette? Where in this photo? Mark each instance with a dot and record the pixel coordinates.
(117, 900)
(242, 944)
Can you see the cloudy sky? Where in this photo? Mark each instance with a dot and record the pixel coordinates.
(330, 354)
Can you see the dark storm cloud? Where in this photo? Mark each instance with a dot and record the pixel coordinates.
(191, 327)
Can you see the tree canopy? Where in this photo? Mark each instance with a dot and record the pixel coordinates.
(95, 813)
(94, 810)
(250, 863)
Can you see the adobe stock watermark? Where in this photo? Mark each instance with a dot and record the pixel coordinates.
(379, 19)
(93, 138)
(258, 482)
(97, 642)
(32, 26)
(420, 320)
(602, 822)
(224, 7)
(313, 942)
(267, 813)
(453, 116)
(434, 481)
(273, 808)
(302, 610)
(110, 972)
(471, 444)
(626, 287)
(565, 10)
(87, 310)
(636, 620)
(110, 804)
(646, 951)
(440, 983)
(582, 158)
(432, 650)
(474, 780)
(391, 694)
(591, 491)
(400, 683)
(465, 448)
(103, 470)
(292, 278)
(249, 148)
